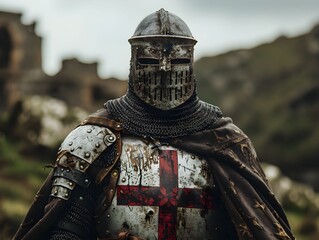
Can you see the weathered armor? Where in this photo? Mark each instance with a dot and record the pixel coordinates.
(73, 179)
(79, 149)
(164, 193)
(157, 163)
(161, 71)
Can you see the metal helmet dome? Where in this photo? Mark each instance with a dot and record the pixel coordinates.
(162, 23)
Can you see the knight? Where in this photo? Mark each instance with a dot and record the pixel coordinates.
(157, 163)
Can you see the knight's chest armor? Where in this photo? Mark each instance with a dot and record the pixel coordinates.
(162, 193)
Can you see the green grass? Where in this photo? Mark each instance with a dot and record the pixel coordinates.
(20, 178)
(297, 221)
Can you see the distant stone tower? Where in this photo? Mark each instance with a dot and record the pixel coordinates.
(20, 57)
(21, 73)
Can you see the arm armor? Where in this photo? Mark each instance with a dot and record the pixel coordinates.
(81, 172)
(77, 153)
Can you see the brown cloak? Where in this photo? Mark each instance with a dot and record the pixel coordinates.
(252, 206)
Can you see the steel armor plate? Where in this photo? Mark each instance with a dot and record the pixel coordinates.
(162, 193)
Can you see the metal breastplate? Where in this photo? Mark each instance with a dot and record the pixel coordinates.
(163, 193)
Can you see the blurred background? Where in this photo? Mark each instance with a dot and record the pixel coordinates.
(258, 61)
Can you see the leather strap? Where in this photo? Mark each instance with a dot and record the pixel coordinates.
(117, 127)
(109, 189)
(105, 171)
(81, 178)
(102, 121)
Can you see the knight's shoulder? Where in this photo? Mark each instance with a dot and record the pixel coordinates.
(86, 143)
(226, 130)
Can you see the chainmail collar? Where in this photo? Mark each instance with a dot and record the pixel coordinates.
(141, 119)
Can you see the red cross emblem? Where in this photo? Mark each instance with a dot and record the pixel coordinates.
(168, 197)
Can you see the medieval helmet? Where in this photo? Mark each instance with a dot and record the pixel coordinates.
(161, 72)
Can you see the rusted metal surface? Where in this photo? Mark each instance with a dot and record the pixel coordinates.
(86, 143)
(162, 193)
(77, 152)
(162, 60)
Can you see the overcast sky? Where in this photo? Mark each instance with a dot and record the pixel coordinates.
(97, 30)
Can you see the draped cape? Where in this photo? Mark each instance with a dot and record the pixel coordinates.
(251, 204)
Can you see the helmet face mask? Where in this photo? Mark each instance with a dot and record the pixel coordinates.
(161, 71)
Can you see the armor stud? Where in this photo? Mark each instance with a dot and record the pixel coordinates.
(110, 138)
(88, 142)
(115, 173)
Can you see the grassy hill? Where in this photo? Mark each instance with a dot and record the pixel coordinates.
(272, 93)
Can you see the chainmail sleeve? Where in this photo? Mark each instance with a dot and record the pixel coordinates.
(77, 222)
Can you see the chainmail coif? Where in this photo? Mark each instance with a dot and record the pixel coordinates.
(144, 120)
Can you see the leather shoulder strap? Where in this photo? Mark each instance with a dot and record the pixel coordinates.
(101, 118)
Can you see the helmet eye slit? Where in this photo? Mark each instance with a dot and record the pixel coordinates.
(148, 61)
(180, 61)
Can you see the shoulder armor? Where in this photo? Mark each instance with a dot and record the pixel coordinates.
(86, 142)
(79, 149)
